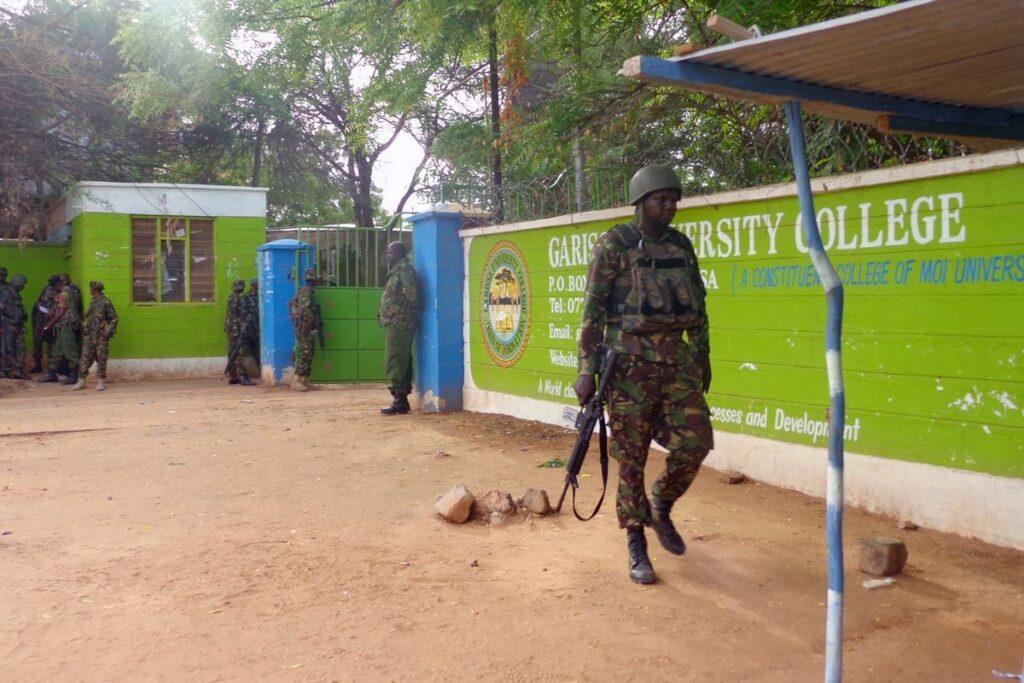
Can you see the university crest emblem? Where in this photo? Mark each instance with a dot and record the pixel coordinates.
(505, 303)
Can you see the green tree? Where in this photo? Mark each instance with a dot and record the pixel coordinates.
(340, 78)
(58, 119)
(566, 111)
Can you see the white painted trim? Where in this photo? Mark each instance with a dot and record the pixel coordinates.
(467, 367)
(133, 369)
(929, 169)
(967, 503)
(170, 186)
(163, 199)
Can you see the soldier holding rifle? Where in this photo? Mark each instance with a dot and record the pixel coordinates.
(645, 300)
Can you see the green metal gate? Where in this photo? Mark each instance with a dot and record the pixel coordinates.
(351, 276)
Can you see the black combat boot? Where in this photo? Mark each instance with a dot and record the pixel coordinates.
(662, 525)
(640, 569)
(245, 381)
(400, 406)
(72, 377)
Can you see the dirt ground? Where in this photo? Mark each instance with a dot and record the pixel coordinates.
(172, 531)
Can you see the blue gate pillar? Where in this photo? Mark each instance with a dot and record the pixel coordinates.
(440, 268)
(281, 264)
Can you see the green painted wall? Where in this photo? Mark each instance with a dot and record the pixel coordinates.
(933, 332)
(37, 262)
(101, 250)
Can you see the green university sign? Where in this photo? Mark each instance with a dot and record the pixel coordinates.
(933, 332)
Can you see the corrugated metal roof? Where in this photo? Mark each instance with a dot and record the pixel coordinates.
(964, 53)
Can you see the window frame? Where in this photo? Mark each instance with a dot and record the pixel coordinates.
(158, 239)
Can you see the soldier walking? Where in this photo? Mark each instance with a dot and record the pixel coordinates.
(643, 294)
(234, 326)
(99, 327)
(12, 328)
(304, 318)
(398, 315)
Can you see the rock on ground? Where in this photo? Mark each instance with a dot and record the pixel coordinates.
(536, 501)
(456, 505)
(882, 556)
(496, 501)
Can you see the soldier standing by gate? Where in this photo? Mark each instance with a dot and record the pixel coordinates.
(99, 326)
(643, 292)
(304, 317)
(398, 314)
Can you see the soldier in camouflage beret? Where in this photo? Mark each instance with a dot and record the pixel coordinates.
(234, 320)
(304, 317)
(98, 328)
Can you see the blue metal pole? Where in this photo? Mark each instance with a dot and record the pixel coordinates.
(837, 412)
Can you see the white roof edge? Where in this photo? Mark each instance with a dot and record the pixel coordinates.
(804, 30)
(188, 186)
(920, 171)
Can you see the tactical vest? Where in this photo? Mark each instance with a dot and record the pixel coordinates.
(657, 294)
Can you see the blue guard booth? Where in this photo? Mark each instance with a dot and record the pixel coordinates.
(281, 264)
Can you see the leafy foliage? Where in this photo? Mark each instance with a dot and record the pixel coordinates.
(304, 96)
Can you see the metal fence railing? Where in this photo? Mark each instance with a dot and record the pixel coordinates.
(599, 188)
(346, 255)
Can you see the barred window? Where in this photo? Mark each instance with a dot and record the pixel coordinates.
(172, 260)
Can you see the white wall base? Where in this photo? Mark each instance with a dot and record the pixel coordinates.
(980, 505)
(163, 368)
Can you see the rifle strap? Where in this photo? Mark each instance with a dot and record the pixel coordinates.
(603, 440)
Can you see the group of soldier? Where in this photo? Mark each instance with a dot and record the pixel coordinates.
(644, 300)
(242, 326)
(70, 340)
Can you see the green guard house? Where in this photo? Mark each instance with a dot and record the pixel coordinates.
(167, 254)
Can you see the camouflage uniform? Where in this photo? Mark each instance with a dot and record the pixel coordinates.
(100, 325)
(655, 390)
(304, 318)
(233, 326)
(41, 339)
(64, 322)
(12, 329)
(398, 315)
(251, 321)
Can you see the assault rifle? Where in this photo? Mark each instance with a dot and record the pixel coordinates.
(585, 421)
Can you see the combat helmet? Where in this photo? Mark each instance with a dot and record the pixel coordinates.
(19, 279)
(238, 285)
(651, 179)
(97, 285)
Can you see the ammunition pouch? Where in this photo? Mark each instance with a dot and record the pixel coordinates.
(657, 294)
